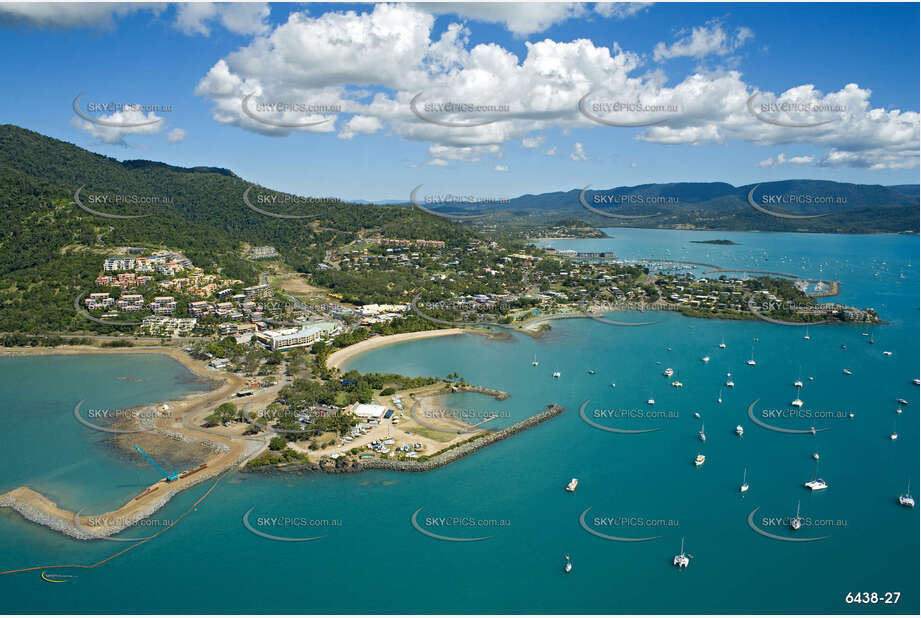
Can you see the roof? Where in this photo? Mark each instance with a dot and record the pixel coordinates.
(369, 410)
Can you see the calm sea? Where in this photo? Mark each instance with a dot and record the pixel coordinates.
(372, 559)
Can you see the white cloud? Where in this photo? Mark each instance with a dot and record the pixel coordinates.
(533, 142)
(438, 163)
(360, 125)
(71, 14)
(782, 159)
(116, 135)
(176, 135)
(703, 41)
(240, 18)
(371, 64)
(578, 152)
(620, 10)
(500, 168)
(519, 18)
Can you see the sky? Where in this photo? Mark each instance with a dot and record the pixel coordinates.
(347, 100)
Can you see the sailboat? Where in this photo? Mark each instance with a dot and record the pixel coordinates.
(535, 362)
(744, 486)
(556, 373)
(806, 336)
(751, 361)
(723, 344)
(568, 566)
(740, 430)
(799, 378)
(701, 435)
(797, 403)
(906, 499)
(816, 483)
(682, 560)
(895, 434)
(797, 522)
(719, 399)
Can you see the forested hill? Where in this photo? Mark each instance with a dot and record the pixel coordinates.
(50, 248)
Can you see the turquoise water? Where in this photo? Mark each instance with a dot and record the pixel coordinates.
(377, 562)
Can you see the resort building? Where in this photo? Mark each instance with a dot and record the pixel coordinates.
(369, 411)
(297, 337)
(258, 253)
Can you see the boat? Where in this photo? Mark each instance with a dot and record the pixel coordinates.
(815, 456)
(701, 435)
(906, 499)
(740, 430)
(699, 460)
(916, 381)
(556, 374)
(571, 486)
(706, 359)
(902, 401)
(806, 336)
(894, 435)
(682, 560)
(816, 484)
(797, 403)
(613, 385)
(887, 353)
(751, 361)
(651, 401)
(811, 379)
(730, 383)
(677, 384)
(744, 486)
(568, 566)
(843, 347)
(898, 410)
(848, 372)
(697, 415)
(723, 344)
(798, 384)
(669, 372)
(591, 372)
(719, 398)
(796, 523)
(535, 362)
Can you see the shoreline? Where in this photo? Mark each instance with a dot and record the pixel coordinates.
(227, 451)
(344, 355)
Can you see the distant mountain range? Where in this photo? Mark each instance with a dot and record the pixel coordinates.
(842, 207)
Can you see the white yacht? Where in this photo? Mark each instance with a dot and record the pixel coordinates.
(697, 415)
(719, 398)
(847, 372)
(887, 353)
(706, 359)
(700, 459)
(798, 384)
(906, 499)
(739, 430)
(796, 523)
(751, 361)
(677, 384)
(816, 484)
(556, 374)
(701, 435)
(571, 486)
(651, 401)
(723, 344)
(682, 560)
(744, 486)
(568, 566)
(797, 403)
(916, 382)
(815, 456)
(898, 410)
(730, 383)
(895, 434)
(806, 336)
(535, 362)
(669, 372)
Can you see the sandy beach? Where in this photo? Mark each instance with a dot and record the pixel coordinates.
(341, 357)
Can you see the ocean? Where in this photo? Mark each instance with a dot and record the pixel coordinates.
(371, 558)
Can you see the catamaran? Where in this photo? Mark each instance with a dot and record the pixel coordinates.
(700, 459)
(568, 566)
(816, 483)
(571, 486)
(751, 361)
(723, 344)
(739, 430)
(669, 372)
(535, 362)
(701, 435)
(730, 383)
(744, 486)
(556, 374)
(682, 560)
(906, 499)
(806, 336)
(797, 403)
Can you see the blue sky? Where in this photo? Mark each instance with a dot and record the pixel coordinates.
(705, 59)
